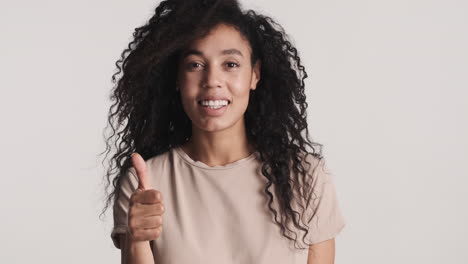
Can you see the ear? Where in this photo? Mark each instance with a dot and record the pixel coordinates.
(256, 75)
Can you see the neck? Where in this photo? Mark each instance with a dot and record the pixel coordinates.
(218, 148)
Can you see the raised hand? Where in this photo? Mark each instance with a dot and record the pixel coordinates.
(146, 208)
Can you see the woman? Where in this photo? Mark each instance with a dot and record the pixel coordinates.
(211, 102)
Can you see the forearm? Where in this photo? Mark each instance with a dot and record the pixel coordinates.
(137, 253)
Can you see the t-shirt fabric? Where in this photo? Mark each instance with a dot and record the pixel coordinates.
(220, 214)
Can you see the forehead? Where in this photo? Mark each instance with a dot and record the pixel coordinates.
(222, 37)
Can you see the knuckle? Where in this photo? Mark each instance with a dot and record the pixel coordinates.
(158, 195)
(161, 208)
(157, 221)
(153, 195)
(158, 208)
(155, 233)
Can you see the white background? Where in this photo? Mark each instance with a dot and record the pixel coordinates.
(387, 93)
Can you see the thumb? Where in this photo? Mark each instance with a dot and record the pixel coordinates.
(141, 171)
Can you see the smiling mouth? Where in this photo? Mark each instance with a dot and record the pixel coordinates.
(200, 102)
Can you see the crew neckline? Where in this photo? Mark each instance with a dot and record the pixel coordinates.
(202, 165)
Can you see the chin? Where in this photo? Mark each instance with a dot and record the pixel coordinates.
(212, 125)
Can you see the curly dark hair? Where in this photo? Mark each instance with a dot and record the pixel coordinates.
(147, 116)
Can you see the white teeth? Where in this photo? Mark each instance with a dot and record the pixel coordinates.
(214, 102)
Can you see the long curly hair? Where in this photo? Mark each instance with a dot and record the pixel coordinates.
(147, 116)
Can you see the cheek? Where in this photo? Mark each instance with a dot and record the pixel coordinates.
(190, 78)
(240, 79)
(188, 98)
(240, 84)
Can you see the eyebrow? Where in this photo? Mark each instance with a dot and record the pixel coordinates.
(224, 52)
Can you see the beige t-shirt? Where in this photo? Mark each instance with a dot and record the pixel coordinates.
(220, 214)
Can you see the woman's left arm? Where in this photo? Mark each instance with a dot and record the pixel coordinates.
(322, 253)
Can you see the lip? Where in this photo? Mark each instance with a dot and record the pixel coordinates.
(211, 97)
(213, 112)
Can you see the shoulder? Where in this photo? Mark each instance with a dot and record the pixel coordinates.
(316, 171)
(158, 159)
(313, 163)
(159, 165)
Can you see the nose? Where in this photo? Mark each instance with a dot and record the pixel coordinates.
(212, 77)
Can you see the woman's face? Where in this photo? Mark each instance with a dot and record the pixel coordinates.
(214, 69)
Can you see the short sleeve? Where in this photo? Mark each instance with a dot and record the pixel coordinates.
(128, 184)
(328, 220)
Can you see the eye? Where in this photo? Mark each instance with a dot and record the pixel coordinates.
(232, 64)
(195, 65)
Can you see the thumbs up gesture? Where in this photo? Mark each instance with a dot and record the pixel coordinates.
(146, 207)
